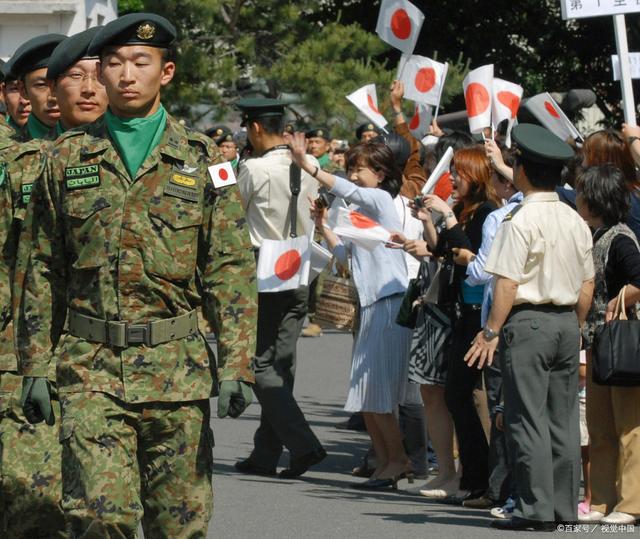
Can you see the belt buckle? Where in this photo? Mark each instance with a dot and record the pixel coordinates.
(138, 334)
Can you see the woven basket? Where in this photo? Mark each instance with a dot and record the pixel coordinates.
(337, 305)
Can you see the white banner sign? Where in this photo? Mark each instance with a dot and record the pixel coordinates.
(634, 62)
(575, 9)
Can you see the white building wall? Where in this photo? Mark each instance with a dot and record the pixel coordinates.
(22, 20)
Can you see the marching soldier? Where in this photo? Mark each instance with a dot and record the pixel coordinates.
(265, 183)
(223, 137)
(29, 66)
(134, 229)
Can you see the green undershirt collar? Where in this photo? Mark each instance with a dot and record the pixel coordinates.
(36, 129)
(135, 138)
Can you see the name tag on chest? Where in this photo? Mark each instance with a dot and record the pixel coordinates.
(82, 177)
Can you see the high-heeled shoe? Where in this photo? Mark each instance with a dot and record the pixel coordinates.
(376, 484)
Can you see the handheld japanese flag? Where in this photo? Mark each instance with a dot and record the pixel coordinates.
(550, 115)
(399, 24)
(222, 175)
(360, 229)
(366, 100)
(421, 120)
(284, 264)
(477, 96)
(423, 79)
(320, 258)
(441, 168)
(505, 104)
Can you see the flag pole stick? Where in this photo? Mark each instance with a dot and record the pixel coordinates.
(444, 79)
(628, 102)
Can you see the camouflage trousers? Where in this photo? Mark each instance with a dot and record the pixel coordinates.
(30, 477)
(125, 464)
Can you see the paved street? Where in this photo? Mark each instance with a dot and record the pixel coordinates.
(321, 504)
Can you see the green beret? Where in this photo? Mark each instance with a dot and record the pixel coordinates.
(220, 134)
(321, 132)
(34, 54)
(366, 127)
(70, 51)
(535, 143)
(256, 108)
(134, 29)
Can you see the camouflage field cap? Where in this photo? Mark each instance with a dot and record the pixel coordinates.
(535, 143)
(134, 29)
(220, 134)
(69, 51)
(321, 132)
(362, 129)
(256, 108)
(34, 54)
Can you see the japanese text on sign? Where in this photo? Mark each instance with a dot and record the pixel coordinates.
(573, 9)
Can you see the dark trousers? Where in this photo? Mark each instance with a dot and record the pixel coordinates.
(539, 362)
(458, 393)
(282, 423)
(500, 487)
(411, 419)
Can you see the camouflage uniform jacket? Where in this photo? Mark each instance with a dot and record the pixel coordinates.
(6, 131)
(138, 251)
(20, 165)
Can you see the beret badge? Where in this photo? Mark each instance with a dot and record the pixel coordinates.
(146, 31)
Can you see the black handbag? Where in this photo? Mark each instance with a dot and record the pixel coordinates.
(408, 312)
(616, 349)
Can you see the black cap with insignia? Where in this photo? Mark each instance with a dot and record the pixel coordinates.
(220, 134)
(134, 29)
(321, 132)
(70, 51)
(256, 108)
(34, 54)
(366, 127)
(537, 144)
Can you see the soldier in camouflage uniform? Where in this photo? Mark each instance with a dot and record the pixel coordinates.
(30, 454)
(30, 476)
(29, 66)
(131, 235)
(17, 107)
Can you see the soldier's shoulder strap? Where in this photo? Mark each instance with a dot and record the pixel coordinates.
(511, 214)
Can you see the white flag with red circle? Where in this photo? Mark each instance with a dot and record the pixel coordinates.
(366, 100)
(505, 104)
(420, 121)
(477, 96)
(222, 175)
(399, 24)
(550, 115)
(423, 79)
(441, 168)
(284, 264)
(360, 229)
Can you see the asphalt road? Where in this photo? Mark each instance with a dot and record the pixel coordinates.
(321, 504)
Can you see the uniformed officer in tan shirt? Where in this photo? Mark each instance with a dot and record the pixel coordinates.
(264, 182)
(542, 261)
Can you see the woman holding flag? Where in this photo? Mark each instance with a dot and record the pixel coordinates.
(475, 199)
(381, 349)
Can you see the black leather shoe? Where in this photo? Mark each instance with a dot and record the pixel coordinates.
(459, 500)
(523, 524)
(300, 465)
(376, 484)
(249, 467)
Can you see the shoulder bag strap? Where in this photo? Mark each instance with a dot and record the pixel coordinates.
(294, 185)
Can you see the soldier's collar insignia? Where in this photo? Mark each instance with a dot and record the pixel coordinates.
(146, 31)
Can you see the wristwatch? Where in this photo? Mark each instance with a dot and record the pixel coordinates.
(488, 333)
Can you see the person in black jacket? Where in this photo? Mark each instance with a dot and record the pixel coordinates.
(475, 199)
